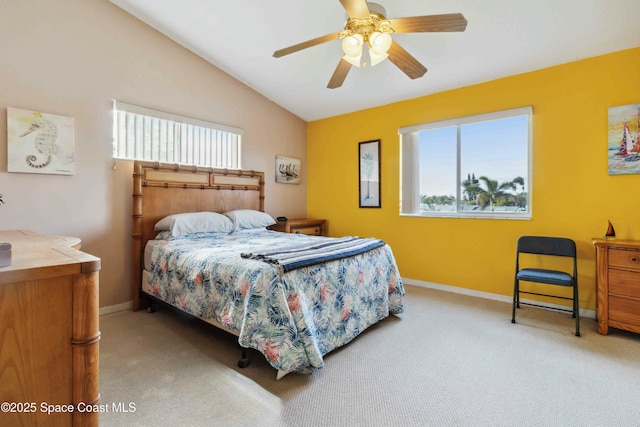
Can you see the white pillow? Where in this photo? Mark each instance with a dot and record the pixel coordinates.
(195, 222)
(247, 218)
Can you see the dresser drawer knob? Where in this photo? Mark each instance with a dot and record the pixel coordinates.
(634, 259)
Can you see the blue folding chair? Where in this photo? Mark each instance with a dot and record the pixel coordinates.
(552, 246)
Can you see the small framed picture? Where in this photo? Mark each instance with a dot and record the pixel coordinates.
(369, 173)
(287, 170)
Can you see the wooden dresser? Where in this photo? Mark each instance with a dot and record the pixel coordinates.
(49, 332)
(618, 284)
(315, 227)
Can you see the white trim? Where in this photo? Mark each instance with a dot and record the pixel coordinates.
(136, 109)
(494, 115)
(472, 215)
(486, 295)
(116, 308)
(410, 188)
(145, 134)
(412, 282)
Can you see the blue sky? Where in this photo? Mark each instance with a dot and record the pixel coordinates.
(496, 149)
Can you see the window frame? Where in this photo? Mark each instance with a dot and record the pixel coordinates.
(231, 152)
(410, 166)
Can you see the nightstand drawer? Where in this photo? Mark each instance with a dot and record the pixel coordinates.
(314, 231)
(313, 227)
(624, 258)
(618, 284)
(624, 310)
(625, 283)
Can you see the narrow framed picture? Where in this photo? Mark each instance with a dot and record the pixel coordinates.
(369, 173)
(624, 139)
(287, 170)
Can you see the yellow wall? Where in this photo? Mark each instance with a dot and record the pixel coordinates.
(573, 195)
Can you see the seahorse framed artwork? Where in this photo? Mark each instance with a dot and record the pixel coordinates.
(40, 142)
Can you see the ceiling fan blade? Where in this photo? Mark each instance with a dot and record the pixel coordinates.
(304, 45)
(407, 63)
(430, 23)
(356, 8)
(339, 74)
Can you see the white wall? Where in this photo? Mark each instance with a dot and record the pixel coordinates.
(72, 58)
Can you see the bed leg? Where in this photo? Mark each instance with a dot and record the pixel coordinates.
(244, 358)
(151, 305)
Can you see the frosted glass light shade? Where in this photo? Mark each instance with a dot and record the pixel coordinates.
(375, 58)
(352, 48)
(380, 43)
(353, 59)
(352, 45)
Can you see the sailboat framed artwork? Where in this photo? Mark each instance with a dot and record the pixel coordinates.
(40, 143)
(287, 170)
(623, 139)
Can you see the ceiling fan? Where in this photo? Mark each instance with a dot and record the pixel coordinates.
(366, 38)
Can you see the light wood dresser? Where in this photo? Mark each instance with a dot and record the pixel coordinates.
(618, 284)
(49, 332)
(314, 227)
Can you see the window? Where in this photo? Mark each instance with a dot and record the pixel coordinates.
(143, 134)
(473, 167)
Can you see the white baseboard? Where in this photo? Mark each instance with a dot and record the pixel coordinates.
(413, 282)
(116, 308)
(486, 295)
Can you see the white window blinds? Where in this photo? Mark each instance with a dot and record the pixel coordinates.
(143, 134)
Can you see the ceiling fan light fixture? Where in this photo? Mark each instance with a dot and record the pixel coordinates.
(366, 38)
(352, 48)
(377, 58)
(353, 59)
(352, 45)
(380, 43)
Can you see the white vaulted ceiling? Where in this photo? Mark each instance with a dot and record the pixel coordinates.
(502, 38)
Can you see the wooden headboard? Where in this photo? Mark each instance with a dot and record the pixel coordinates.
(161, 189)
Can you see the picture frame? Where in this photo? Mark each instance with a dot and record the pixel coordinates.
(369, 174)
(39, 142)
(288, 170)
(623, 145)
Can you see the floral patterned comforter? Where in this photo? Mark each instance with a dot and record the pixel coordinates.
(293, 318)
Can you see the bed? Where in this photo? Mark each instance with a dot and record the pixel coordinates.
(294, 309)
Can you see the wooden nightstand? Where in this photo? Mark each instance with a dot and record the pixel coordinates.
(618, 283)
(314, 227)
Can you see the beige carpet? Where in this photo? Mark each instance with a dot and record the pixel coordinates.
(448, 360)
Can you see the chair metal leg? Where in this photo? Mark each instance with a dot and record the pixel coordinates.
(516, 300)
(576, 309)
